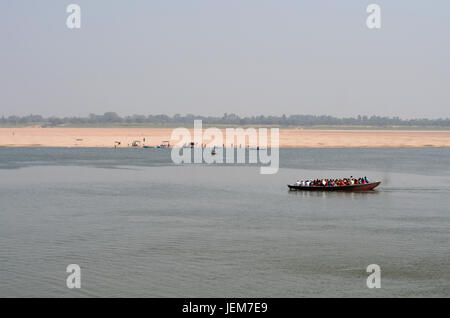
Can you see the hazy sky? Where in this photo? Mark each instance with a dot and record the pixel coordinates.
(214, 56)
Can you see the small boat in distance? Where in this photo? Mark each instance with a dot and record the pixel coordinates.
(351, 187)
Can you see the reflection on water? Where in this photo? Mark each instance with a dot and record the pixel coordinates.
(333, 194)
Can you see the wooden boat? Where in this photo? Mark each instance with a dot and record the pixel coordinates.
(354, 187)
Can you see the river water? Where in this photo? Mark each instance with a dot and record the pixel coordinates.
(140, 226)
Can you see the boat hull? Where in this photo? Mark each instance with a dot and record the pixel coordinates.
(352, 188)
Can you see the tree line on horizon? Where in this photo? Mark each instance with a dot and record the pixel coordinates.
(226, 119)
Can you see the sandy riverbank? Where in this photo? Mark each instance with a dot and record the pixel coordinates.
(289, 138)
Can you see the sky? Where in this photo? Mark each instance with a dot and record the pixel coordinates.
(210, 57)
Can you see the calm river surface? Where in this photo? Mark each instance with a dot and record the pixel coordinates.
(141, 226)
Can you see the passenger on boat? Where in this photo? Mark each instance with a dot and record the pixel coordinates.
(332, 182)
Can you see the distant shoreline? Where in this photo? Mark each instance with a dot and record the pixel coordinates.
(289, 138)
(281, 127)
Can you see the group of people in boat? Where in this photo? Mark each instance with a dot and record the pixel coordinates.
(332, 182)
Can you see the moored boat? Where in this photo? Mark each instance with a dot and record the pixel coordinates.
(353, 187)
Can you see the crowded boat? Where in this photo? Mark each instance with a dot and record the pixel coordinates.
(332, 182)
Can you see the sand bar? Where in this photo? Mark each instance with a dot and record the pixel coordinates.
(289, 138)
